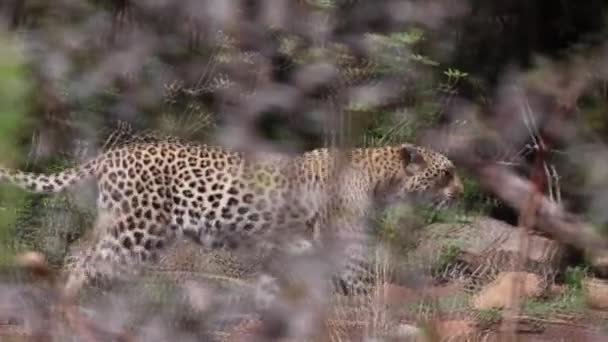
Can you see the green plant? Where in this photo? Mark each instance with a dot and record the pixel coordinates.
(455, 214)
(573, 277)
(572, 300)
(447, 256)
(431, 215)
(14, 93)
(397, 226)
(420, 306)
(474, 200)
(487, 317)
(453, 303)
(454, 75)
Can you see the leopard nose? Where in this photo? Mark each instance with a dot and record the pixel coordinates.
(457, 187)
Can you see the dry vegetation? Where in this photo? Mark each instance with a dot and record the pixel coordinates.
(523, 256)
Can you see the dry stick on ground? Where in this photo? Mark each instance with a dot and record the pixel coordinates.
(552, 178)
(526, 221)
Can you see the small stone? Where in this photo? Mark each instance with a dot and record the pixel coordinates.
(599, 262)
(34, 262)
(199, 297)
(408, 331)
(29, 259)
(499, 293)
(596, 292)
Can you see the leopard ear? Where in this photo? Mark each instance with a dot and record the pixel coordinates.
(406, 155)
(412, 160)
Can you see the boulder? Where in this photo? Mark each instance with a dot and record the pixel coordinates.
(599, 262)
(485, 244)
(596, 292)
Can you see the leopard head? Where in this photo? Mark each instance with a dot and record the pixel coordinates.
(422, 174)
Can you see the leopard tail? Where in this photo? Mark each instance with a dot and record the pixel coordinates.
(49, 183)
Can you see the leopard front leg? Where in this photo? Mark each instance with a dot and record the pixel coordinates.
(356, 274)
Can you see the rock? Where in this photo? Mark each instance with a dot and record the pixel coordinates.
(499, 293)
(486, 244)
(34, 262)
(543, 254)
(408, 331)
(556, 290)
(596, 292)
(448, 330)
(599, 262)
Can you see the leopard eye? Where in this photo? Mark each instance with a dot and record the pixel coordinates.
(444, 178)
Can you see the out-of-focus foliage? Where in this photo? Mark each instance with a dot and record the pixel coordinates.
(293, 75)
(181, 107)
(15, 92)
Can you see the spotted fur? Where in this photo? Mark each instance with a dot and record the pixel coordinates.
(152, 193)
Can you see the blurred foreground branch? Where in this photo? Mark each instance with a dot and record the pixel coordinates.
(550, 217)
(516, 191)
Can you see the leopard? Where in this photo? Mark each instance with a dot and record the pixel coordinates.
(184, 261)
(124, 134)
(153, 193)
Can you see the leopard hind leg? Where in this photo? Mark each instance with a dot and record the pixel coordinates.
(128, 242)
